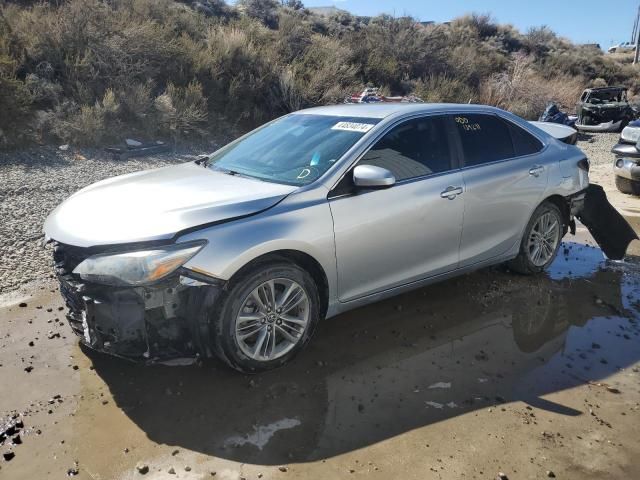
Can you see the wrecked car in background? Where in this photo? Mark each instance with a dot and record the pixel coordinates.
(604, 109)
(239, 254)
(626, 165)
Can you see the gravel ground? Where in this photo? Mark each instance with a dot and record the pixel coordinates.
(598, 147)
(33, 182)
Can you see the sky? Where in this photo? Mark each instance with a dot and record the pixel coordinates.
(587, 21)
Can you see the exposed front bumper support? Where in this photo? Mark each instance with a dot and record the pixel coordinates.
(152, 323)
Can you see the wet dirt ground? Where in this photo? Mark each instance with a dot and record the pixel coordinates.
(490, 372)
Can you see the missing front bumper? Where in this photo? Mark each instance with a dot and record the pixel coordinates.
(162, 322)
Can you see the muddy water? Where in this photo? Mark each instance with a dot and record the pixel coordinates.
(368, 384)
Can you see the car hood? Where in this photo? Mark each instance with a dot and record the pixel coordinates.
(156, 204)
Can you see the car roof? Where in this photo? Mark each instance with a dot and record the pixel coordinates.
(382, 110)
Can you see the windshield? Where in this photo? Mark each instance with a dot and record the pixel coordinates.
(295, 150)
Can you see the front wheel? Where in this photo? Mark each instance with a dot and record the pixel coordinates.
(266, 317)
(541, 240)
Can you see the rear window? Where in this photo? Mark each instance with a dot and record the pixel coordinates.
(485, 138)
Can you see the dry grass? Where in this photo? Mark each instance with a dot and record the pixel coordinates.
(88, 71)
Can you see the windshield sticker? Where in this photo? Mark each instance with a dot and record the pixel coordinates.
(353, 127)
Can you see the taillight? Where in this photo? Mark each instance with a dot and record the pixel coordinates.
(584, 164)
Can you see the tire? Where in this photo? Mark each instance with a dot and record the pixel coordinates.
(525, 263)
(228, 323)
(629, 187)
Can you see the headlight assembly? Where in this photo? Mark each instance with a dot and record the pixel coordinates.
(138, 267)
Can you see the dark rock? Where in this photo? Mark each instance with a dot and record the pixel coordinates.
(22, 305)
(482, 356)
(142, 468)
(550, 474)
(8, 456)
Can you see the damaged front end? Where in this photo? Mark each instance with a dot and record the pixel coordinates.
(165, 320)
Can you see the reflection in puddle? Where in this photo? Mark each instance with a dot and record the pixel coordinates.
(576, 260)
(385, 369)
(262, 434)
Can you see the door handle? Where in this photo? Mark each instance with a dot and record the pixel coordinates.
(536, 170)
(451, 192)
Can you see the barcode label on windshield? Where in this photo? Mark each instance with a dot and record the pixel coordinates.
(353, 127)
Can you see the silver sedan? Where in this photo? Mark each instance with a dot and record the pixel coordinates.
(239, 254)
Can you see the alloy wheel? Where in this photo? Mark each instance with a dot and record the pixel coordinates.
(272, 320)
(543, 239)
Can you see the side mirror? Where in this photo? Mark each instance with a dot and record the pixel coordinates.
(370, 176)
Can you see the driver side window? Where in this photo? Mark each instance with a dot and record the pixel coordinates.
(412, 149)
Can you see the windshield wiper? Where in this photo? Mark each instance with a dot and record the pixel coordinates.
(202, 160)
(233, 173)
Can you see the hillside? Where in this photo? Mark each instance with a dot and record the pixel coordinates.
(90, 71)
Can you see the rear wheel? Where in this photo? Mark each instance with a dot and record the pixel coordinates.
(625, 185)
(266, 317)
(541, 240)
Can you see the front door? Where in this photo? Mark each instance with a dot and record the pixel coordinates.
(393, 236)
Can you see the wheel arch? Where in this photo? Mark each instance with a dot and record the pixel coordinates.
(300, 259)
(562, 204)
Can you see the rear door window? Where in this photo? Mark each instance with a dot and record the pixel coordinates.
(485, 138)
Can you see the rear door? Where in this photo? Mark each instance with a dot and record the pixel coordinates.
(505, 178)
(389, 237)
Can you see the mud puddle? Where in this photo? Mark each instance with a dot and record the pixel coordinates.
(410, 387)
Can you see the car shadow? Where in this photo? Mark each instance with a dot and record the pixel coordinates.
(472, 342)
